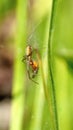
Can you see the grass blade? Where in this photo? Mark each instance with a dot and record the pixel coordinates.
(18, 79)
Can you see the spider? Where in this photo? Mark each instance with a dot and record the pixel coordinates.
(30, 63)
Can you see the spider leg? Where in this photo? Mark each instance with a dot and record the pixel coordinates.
(29, 74)
(24, 58)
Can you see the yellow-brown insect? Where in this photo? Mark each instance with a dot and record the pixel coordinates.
(31, 63)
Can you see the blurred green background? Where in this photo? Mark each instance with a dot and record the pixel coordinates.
(25, 105)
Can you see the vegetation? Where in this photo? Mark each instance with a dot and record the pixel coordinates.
(47, 27)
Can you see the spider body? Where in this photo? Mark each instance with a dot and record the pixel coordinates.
(33, 64)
